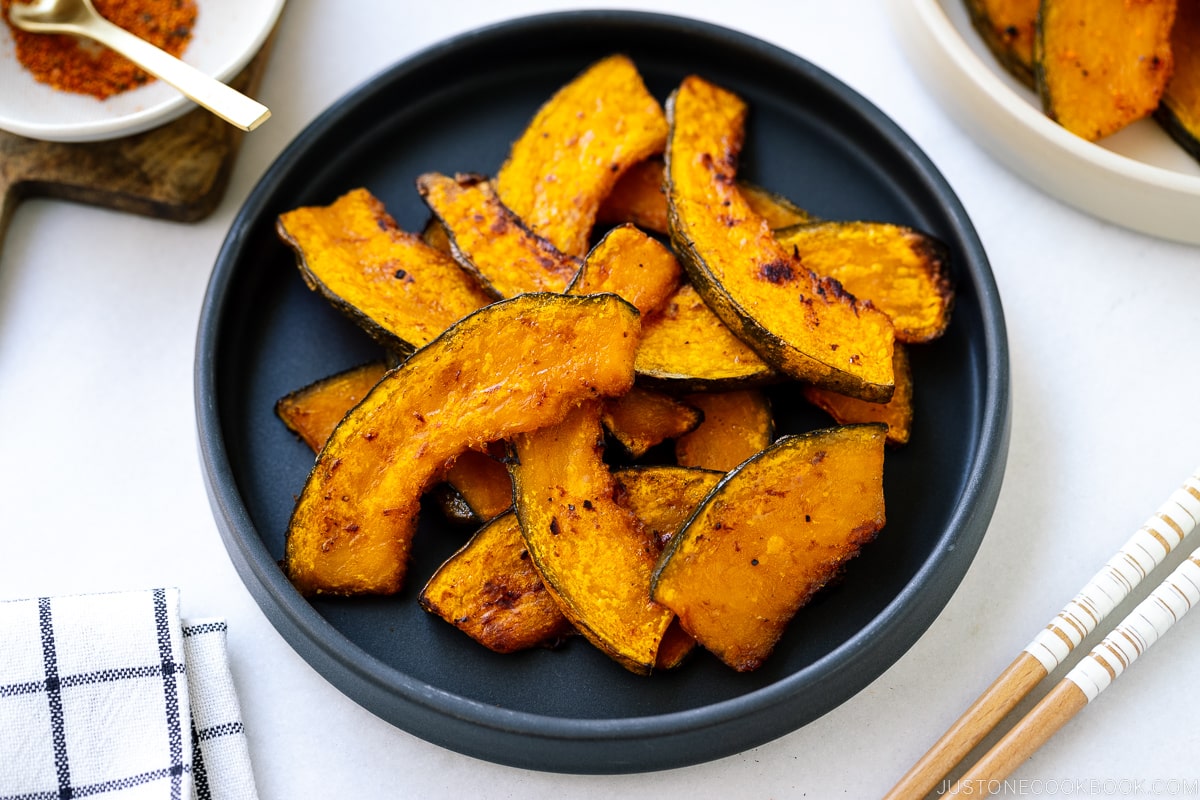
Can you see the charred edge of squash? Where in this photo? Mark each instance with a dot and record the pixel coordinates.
(1186, 137)
(482, 482)
(659, 515)
(768, 344)
(454, 506)
(1002, 40)
(1179, 111)
(777, 347)
(560, 268)
(932, 254)
(505, 605)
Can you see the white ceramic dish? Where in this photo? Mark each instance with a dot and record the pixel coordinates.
(227, 35)
(1138, 178)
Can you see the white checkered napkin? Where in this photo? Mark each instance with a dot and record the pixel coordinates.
(221, 759)
(97, 698)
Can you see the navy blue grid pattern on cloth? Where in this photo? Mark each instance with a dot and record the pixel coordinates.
(99, 696)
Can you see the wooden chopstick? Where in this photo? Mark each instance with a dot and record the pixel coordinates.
(1145, 550)
(1144, 626)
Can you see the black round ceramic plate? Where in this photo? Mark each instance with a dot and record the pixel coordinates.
(456, 108)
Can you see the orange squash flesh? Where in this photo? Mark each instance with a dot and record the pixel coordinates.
(1008, 28)
(683, 342)
(434, 234)
(769, 536)
(903, 272)
(352, 527)
(775, 209)
(491, 591)
(593, 554)
(401, 291)
(643, 418)
(312, 412)
(483, 484)
(479, 486)
(490, 241)
(737, 425)
(805, 326)
(1101, 65)
(631, 264)
(663, 496)
(1179, 110)
(897, 413)
(577, 147)
(687, 347)
(639, 198)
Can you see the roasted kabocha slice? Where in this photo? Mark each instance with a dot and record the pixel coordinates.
(351, 530)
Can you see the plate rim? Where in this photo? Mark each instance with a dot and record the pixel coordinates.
(953, 552)
(167, 110)
(1106, 184)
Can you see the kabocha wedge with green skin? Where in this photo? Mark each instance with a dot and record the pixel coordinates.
(478, 487)
(491, 242)
(492, 592)
(805, 326)
(1008, 28)
(313, 411)
(397, 288)
(481, 482)
(769, 536)
(686, 347)
(593, 554)
(1101, 65)
(1179, 110)
(352, 527)
(901, 271)
(577, 147)
(639, 198)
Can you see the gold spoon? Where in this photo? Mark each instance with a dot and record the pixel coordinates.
(79, 17)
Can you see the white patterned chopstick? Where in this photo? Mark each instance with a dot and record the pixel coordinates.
(1144, 626)
(1177, 517)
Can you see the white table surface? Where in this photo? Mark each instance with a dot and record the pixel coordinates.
(101, 487)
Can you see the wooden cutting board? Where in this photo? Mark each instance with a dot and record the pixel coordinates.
(178, 171)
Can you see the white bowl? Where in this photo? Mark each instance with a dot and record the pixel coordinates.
(1138, 178)
(227, 35)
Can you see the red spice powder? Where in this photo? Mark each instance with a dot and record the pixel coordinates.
(85, 67)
